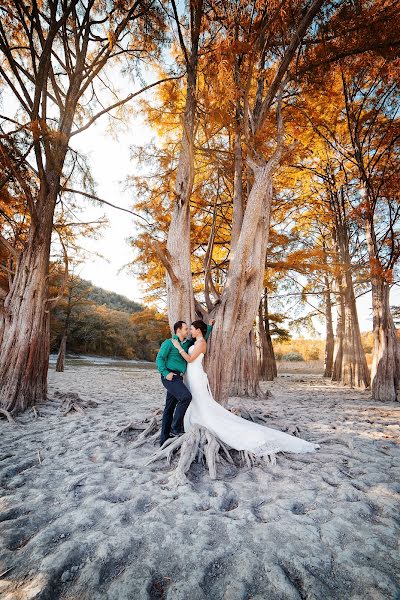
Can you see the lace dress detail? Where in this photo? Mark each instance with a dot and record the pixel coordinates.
(234, 431)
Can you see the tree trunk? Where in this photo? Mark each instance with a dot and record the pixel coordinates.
(180, 297)
(268, 370)
(61, 354)
(385, 372)
(235, 313)
(350, 365)
(355, 372)
(385, 359)
(330, 338)
(63, 344)
(338, 345)
(354, 369)
(25, 323)
(246, 372)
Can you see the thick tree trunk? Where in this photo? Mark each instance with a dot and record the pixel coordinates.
(385, 360)
(246, 372)
(330, 338)
(354, 370)
(268, 369)
(234, 315)
(385, 372)
(25, 323)
(350, 364)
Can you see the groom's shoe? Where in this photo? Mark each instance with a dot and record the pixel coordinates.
(176, 433)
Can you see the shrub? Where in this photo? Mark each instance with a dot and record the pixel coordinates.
(293, 356)
(313, 354)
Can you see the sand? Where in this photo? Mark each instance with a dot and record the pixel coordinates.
(82, 518)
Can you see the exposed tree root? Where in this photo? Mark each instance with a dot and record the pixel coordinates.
(198, 445)
(70, 401)
(4, 413)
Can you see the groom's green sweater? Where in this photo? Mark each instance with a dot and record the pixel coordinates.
(168, 358)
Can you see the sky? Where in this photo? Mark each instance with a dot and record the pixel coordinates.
(111, 163)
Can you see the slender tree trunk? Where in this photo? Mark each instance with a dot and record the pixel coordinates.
(385, 372)
(330, 338)
(63, 345)
(268, 369)
(61, 354)
(25, 323)
(177, 260)
(338, 346)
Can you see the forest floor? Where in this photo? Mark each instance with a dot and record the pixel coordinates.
(82, 518)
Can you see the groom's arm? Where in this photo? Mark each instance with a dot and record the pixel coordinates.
(190, 341)
(209, 330)
(162, 356)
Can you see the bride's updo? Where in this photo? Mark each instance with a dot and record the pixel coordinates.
(200, 325)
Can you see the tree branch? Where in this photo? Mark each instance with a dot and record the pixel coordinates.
(121, 102)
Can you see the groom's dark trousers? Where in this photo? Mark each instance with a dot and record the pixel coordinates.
(176, 404)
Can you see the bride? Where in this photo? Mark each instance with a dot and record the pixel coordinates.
(236, 432)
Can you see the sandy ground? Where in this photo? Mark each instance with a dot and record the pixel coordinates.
(83, 519)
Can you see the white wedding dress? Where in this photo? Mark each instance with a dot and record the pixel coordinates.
(236, 432)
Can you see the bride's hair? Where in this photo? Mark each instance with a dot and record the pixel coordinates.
(200, 325)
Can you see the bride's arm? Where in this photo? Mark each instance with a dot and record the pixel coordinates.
(199, 349)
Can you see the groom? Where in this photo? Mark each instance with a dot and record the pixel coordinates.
(172, 367)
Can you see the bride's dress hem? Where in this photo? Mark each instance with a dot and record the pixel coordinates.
(234, 431)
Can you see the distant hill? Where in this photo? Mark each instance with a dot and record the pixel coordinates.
(112, 300)
(104, 323)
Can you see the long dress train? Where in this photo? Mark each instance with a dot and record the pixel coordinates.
(236, 432)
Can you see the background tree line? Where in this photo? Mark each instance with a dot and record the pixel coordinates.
(95, 321)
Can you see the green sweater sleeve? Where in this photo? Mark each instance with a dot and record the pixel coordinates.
(162, 356)
(208, 333)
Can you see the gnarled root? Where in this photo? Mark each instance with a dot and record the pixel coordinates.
(149, 430)
(4, 413)
(70, 401)
(200, 445)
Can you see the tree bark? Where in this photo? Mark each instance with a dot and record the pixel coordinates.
(385, 372)
(268, 369)
(330, 338)
(25, 322)
(180, 297)
(234, 315)
(246, 372)
(338, 345)
(61, 354)
(353, 370)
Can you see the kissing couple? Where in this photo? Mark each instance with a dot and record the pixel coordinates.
(190, 401)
